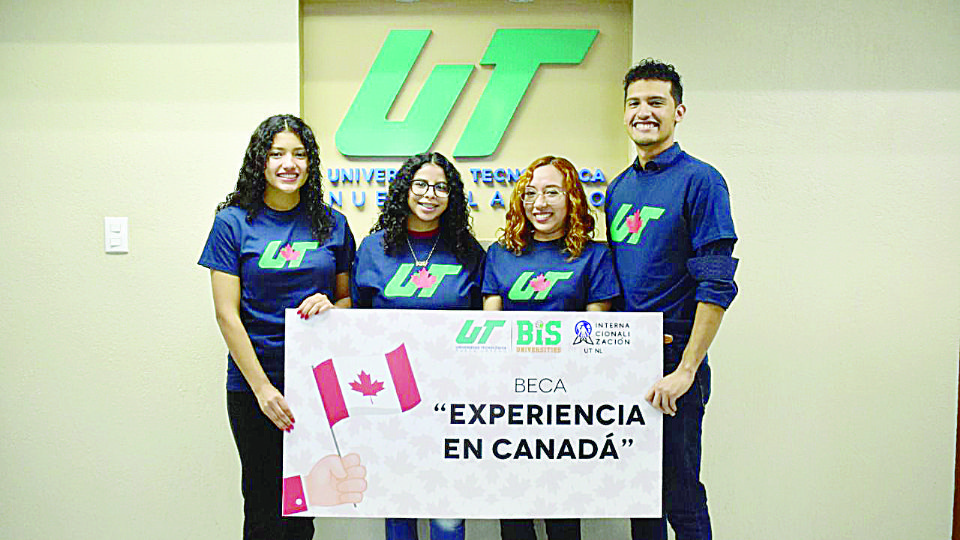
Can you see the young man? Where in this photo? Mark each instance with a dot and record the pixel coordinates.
(671, 234)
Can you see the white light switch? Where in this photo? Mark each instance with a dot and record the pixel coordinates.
(115, 235)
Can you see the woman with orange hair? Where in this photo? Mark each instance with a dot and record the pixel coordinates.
(545, 260)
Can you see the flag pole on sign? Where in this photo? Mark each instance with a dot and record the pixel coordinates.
(326, 377)
(332, 397)
(337, 406)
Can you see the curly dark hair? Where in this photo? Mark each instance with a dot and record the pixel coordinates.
(455, 227)
(648, 68)
(252, 182)
(578, 226)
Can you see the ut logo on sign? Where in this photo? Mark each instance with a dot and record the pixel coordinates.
(469, 333)
(426, 280)
(623, 226)
(516, 53)
(291, 253)
(538, 288)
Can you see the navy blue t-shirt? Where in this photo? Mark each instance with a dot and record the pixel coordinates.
(385, 281)
(657, 218)
(279, 263)
(542, 279)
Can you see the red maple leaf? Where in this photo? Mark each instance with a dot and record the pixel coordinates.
(423, 279)
(634, 223)
(366, 386)
(540, 284)
(289, 253)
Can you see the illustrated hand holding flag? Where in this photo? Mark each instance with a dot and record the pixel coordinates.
(351, 386)
(332, 481)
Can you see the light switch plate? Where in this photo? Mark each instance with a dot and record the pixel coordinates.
(115, 235)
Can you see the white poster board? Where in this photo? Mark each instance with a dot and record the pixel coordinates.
(467, 414)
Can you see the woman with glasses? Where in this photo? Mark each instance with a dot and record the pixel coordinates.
(548, 233)
(274, 245)
(421, 254)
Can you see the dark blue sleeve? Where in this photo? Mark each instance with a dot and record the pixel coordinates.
(713, 268)
(606, 210)
(708, 207)
(359, 299)
(362, 297)
(347, 250)
(222, 250)
(603, 281)
(476, 277)
(491, 285)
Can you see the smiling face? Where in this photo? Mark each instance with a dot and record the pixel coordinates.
(426, 209)
(547, 212)
(651, 115)
(285, 171)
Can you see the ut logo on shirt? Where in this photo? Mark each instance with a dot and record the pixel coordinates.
(291, 253)
(426, 280)
(538, 288)
(630, 227)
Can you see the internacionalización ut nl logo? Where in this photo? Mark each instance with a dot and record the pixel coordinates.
(583, 330)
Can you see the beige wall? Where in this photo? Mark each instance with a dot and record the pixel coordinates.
(835, 372)
(111, 396)
(833, 414)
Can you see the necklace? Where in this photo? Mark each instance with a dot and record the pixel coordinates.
(418, 262)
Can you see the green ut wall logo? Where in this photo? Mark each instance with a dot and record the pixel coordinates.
(470, 334)
(516, 53)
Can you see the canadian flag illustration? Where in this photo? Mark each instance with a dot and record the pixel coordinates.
(351, 386)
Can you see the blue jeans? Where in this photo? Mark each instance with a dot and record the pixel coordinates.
(684, 497)
(440, 529)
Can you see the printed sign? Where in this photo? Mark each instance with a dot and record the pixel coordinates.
(470, 414)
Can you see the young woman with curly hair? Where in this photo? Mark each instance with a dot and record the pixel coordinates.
(421, 254)
(274, 245)
(545, 260)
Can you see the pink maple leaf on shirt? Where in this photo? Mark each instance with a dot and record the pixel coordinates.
(540, 283)
(289, 253)
(634, 223)
(423, 279)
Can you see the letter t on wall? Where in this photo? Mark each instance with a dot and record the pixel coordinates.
(517, 54)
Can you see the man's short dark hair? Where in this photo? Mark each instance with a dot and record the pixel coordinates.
(648, 68)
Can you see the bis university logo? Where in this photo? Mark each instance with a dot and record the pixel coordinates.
(516, 53)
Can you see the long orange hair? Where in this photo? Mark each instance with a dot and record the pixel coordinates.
(577, 227)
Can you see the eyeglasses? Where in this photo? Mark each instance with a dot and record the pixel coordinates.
(420, 188)
(550, 195)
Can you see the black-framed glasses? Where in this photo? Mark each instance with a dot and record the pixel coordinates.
(420, 188)
(550, 195)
